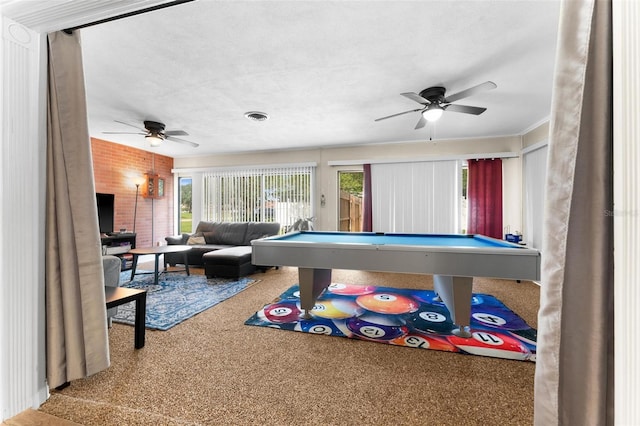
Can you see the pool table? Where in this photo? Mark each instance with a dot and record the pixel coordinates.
(452, 259)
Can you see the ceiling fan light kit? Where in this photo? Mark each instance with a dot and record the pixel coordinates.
(156, 132)
(432, 113)
(435, 102)
(154, 140)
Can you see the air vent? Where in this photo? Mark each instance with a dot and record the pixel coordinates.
(256, 116)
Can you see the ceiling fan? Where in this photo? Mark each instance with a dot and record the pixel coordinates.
(154, 132)
(435, 102)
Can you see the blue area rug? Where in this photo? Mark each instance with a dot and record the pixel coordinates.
(403, 317)
(177, 297)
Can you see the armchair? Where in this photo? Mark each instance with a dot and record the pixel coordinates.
(111, 266)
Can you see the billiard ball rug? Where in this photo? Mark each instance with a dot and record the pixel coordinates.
(403, 317)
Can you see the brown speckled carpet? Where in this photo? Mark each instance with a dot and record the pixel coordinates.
(214, 370)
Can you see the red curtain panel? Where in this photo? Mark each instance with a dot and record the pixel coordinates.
(484, 194)
(367, 217)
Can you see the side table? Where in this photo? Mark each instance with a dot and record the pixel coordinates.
(116, 296)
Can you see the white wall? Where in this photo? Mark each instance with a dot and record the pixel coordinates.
(536, 135)
(327, 176)
(626, 216)
(22, 177)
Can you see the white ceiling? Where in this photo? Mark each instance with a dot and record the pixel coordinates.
(322, 70)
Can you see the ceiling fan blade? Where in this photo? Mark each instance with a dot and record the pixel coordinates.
(487, 85)
(417, 98)
(123, 133)
(176, 133)
(395, 115)
(183, 141)
(465, 109)
(130, 125)
(421, 123)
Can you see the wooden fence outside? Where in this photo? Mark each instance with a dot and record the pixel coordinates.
(350, 212)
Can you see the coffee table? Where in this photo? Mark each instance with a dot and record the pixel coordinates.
(157, 251)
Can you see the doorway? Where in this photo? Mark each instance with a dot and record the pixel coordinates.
(350, 195)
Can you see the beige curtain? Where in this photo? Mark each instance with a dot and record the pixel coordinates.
(574, 370)
(77, 344)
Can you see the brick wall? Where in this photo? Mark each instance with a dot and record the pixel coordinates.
(116, 169)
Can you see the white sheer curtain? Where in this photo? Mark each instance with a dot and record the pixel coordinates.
(282, 194)
(535, 175)
(421, 197)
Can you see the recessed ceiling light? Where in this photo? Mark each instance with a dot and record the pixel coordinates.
(256, 116)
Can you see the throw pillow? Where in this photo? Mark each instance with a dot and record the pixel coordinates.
(209, 237)
(196, 239)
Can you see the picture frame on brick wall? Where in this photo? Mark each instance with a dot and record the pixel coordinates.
(153, 186)
(149, 188)
(160, 191)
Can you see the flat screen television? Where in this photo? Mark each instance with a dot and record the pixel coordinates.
(105, 212)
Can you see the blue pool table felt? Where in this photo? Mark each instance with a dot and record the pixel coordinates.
(433, 240)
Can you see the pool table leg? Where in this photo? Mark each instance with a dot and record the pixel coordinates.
(456, 293)
(312, 283)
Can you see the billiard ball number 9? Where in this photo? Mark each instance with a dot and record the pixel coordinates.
(321, 329)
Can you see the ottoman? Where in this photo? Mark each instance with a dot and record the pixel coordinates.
(232, 262)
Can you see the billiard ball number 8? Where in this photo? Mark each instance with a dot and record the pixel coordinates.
(432, 317)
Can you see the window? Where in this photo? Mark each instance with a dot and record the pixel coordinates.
(270, 194)
(185, 202)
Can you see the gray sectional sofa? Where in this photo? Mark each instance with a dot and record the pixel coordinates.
(222, 248)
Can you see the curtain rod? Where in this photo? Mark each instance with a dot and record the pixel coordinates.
(126, 15)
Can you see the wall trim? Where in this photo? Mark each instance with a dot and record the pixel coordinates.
(534, 147)
(478, 156)
(535, 125)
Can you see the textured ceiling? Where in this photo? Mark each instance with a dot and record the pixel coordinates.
(322, 70)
